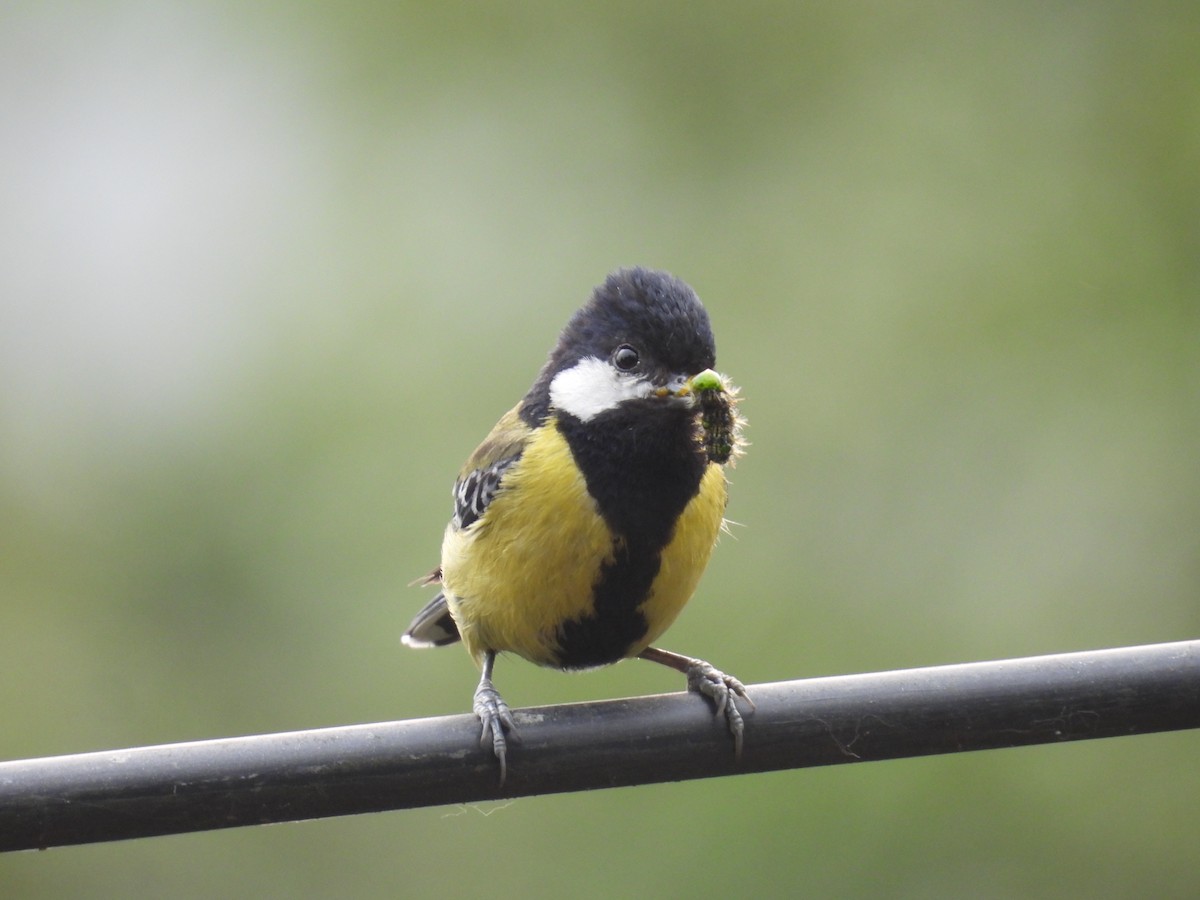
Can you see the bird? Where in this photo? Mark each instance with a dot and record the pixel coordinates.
(583, 521)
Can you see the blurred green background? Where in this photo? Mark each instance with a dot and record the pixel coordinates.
(267, 275)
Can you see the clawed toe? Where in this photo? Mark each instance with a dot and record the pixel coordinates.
(723, 690)
(705, 679)
(497, 723)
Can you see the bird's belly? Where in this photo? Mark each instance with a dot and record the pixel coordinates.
(534, 575)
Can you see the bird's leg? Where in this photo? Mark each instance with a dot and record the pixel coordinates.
(494, 714)
(704, 679)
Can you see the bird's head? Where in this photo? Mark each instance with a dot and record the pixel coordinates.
(641, 339)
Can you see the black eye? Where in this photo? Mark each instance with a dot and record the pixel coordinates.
(625, 358)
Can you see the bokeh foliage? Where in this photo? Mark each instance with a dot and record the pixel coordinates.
(267, 275)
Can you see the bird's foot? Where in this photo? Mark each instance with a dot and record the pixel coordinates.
(723, 690)
(497, 720)
(703, 678)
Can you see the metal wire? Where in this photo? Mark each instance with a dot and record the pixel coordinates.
(175, 788)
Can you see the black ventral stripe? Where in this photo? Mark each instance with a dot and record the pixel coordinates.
(642, 465)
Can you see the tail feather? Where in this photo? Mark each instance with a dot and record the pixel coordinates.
(433, 626)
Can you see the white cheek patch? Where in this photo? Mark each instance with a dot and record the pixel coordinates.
(592, 386)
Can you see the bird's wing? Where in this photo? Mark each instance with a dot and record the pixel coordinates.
(475, 488)
(483, 473)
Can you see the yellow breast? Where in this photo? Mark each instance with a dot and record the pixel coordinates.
(530, 562)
